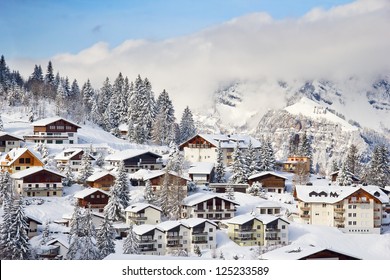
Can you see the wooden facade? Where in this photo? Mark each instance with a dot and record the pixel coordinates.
(43, 176)
(144, 160)
(22, 162)
(328, 254)
(97, 199)
(172, 180)
(103, 183)
(8, 142)
(292, 161)
(60, 126)
(270, 182)
(196, 142)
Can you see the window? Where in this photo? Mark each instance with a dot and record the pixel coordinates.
(17, 168)
(354, 206)
(59, 142)
(349, 214)
(92, 196)
(49, 141)
(48, 194)
(184, 241)
(323, 205)
(210, 229)
(98, 196)
(354, 223)
(227, 215)
(210, 238)
(354, 215)
(159, 246)
(21, 160)
(349, 206)
(60, 127)
(70, 134)
(29, 185)
(70, 141)
(258, 235)
(283, 227)
(349, 223)
(160, 237)
(37, 185)
(258, 227)
(52, 127)
(54, 193)
(200, 215)
(55, 186)
(47, 185)
(28, 160)
(103, 196)
(28, 194)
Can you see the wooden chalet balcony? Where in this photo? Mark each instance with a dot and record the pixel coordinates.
(377, 209)
(272, 238)
(213, 210)
(41, 137)
(32, 189)
(244, 230)
(146, 241)
(306, 208)
(199, 241)
(340, 226)
(339, 210)
(174, 245)
(272, 230)
(174, 237)
(244, 238)
(200, 233)
(305, 216)
(198, 146)
(339, 219)
(147, 249)
(377, 218)
(358, 201)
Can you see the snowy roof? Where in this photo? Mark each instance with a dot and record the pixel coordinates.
(193, 222)
(264, 173)
(140, 174)
(142, 229)
(68, 154)
(3, 133)
(167, 225)
(136, 207)
(86, 192)
(157, 173)
(130, 153)
(229, 141)
(98, 175)
(200, 197)
(60, 239)
(333, 194)
(296, 252)
(15, 153)
(47, 121)
(123, 127)
(33, 170)
(269, 204)
(242, 219)
(348, 172)
(201, 168)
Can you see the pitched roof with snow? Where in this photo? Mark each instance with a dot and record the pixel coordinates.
(47, 121)
(242, 219)
(3, 133)
(193, 222)
(264, 173)
(168, 225)
(97, 175)
(142, 229)
(297, 252)
(15, 153)
(86, 192)
(201, 197)
(333, 194)
(33, 170)
(201, 168)
(229, 141)
(67, 154)
(157, 173)
(136, 207)
(60, 239)
(130, 153)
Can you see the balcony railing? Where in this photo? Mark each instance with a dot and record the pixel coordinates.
(339, 219)
(358, 201)
(272, 230)
(200, 233)
(176, 245)
(244, 230)
(339, 210)
(148, 249)
(144, 241)
(244, 238)
(305, 216)
(174, 237)
(305, 208)
(272, 238)
(138, 218)
(199, 241)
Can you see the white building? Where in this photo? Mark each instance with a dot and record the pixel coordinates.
(351, 209)
(201, 172)
(143, 213)
(204, 147)
(72, 157)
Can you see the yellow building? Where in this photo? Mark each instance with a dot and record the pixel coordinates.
(19, 159)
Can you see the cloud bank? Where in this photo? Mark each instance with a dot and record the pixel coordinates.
(346, 40)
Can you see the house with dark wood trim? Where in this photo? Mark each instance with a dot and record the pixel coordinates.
(103, 180)
(9, 141)
(19, 159)
(270, 181)
(73, 158)
(92, 197)
(135, 160)
(38, 181)
(54, 130)
(143, 213)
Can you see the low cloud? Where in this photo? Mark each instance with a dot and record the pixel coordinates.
(336, 43)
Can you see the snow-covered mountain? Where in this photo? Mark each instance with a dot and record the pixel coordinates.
(335, 114)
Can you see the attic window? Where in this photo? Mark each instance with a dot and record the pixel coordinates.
(313, 194)
(377, 194)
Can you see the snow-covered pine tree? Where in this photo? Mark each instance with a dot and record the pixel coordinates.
(86, 168)
(5, 234)
(163, 127)
(6, 188)
(113, 112)
(105, 94)
(69, 176)
(19, 233)
(197, 251)
(87, 94)
(75, 233)
(123, 184)
(335, 166)
(46, 235)
(344, 178)
(305, 149)
(175, 159)
(220, 169)
(238, 176)
(49, 77)
(114, 209)
(131, 244)
(89, 249)
(379, 170)
(118, 92)
(352, 161)
(164, 194)
(106, 238)
(187, 125)
(229, 192)
(149, 194)
(271, 156)
(251, 160)
(45, 154)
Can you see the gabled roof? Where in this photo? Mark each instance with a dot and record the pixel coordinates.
(86, 192)
(136, 207)
(47, 121)
(265, 173)
(145, 228)
(15, 153)
(168, 225)
(242, 219)
(63, 241)
(193, 222)
(33, 170)
(98, 175)
(353, 176)
(333, 194)
(298, 251)
(3, 133)
(157, 173)
(201, 197)
(228, 141)
(201, 168)
(126, 154)
(67, 154)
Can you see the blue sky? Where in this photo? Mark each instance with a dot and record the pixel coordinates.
(41, 29)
